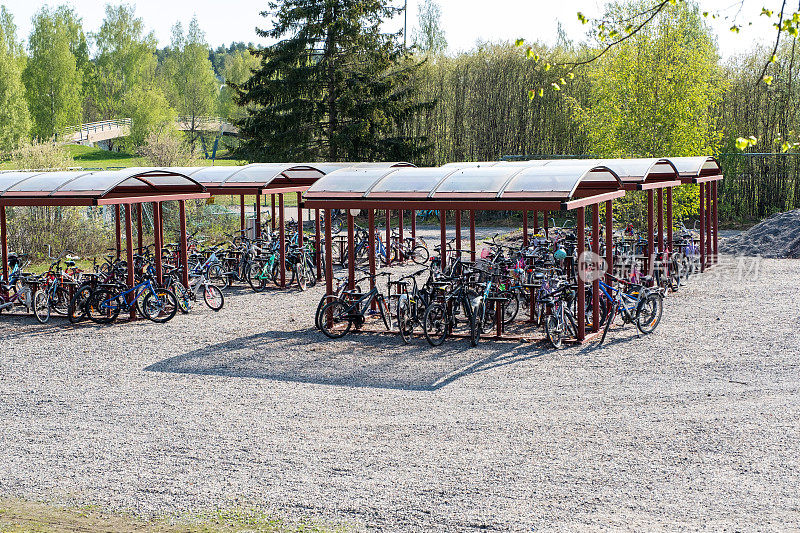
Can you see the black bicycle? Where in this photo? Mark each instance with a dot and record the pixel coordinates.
(338, 317)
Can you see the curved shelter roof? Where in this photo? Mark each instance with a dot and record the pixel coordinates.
(129, 185)
(492, 186)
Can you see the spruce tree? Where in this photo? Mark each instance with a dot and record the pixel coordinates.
(334, 87)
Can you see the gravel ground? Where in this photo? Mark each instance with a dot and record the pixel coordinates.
(693, 427)
(777, 236)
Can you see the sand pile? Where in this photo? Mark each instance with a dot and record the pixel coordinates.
(777, 236)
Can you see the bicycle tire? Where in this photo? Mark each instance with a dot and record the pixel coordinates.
(107, 313)
(553, 331)
(339, 314)
(435, 324)
(160, 306)
(511, 308)
(383, 307)
(647, 323)
(405, 323)
(213, 297)
(77, 304)
(41, 306)
(256, 278)
(420, 255)
(182, 296)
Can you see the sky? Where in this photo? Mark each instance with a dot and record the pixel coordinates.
(465, 22)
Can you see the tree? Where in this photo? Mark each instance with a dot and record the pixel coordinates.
(15, 120)
(149, 112)
(657, 94)
(429, 36)
(52, 79)
(333, 86)
(125, 62)
(189, 77)
(236, 68)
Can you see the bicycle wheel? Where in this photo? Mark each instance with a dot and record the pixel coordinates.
(103, 306)
(41, 306)
(160, 306)
(336, 225)
(511, 307)
(256, 277)
(217, 276)
(648, 312)
(182, 295)
(405, 322)
(420, 255)
(77, 304)
(435, 323)
(340, 321)
(213, 297)
(383, 307)
(299, 273)
(60, 301)
(554, 329)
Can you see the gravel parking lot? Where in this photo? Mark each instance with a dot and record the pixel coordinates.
(694, 427)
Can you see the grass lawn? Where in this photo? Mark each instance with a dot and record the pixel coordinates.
(89, 157)
(23, 516)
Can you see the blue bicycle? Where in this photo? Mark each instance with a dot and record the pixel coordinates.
(157, 304)
(642, 306)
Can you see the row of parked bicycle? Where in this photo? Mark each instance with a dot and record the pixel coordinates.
(469, 298)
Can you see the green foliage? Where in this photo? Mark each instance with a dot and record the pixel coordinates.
(334, 87)
(657, 94)
(125, 62)
(189, 77)
(429, 36)
(149, 112)
(53, 81)
(15, 120)
(41, 156)
(235, 68)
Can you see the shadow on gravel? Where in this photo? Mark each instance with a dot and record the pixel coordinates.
(360, 360)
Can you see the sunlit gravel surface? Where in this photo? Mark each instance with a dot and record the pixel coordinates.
(694, 427)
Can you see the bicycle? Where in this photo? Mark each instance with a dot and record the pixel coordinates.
(339, 316)
(643, 308)
(411, 304)
(158, 305)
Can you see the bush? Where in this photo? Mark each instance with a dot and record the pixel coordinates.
(41, 156)
(164, 148)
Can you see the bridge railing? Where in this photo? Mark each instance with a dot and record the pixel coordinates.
(82, 131)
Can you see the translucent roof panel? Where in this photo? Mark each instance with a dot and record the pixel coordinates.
(348, 182)
(46, 182)
(696, 166)
(559, 181)
(637, 170)
(215, 175)
(530, 163)
(484, 182)
(9, 179)
(470, 164)
(413, 182)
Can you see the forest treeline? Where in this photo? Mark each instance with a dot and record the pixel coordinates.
(665, 91)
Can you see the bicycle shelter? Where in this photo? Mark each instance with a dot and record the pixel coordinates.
(127, 188)
(275, 179)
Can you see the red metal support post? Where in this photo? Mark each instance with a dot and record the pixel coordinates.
(581, 286)
(715, 220)
(609, 238)
(272, 214)
(472, 235)
(414, 227)
(318, 258)
(183, 244)
(129, 254)
(328, 253)
(546, 223)
(157, 240)
(595, 261)
(139, 226)
(351, 252)
(702, 228)
(709, 212)
(650, 232)
(388, 242)
(258, 216)
(119, 230)
(4, 242)
(661, 221)
(670, 222)
(400, 234)
(458, 233)
(524, 228)
(371, 249)
(535, 222)
(241, 211)
(299, 219)
(443, 238)
(282, 241)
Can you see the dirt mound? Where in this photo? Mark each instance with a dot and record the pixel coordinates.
(777, 236)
